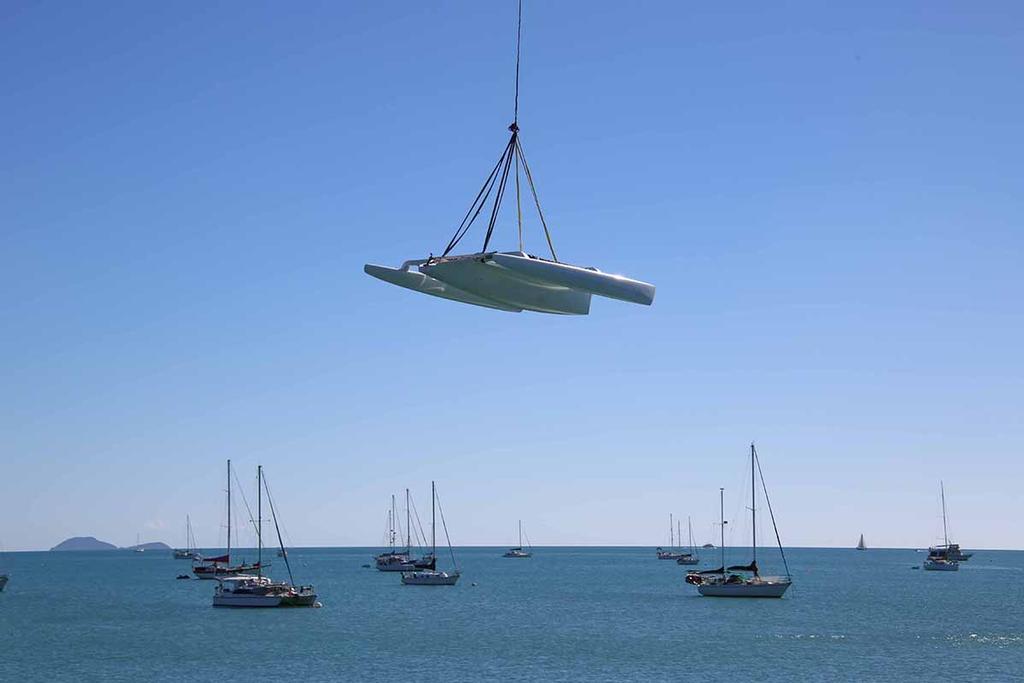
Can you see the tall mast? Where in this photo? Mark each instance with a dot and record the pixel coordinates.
(689, 531)
(259, 520)
(433, 523)
(392, 530)
(520, 534)
(671, 531)
(229, 510)
(945, 533)
(408, 526)
(679, 533)
(721, 505)
(753, 504)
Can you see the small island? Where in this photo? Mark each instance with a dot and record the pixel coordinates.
(83, 543)
(155, 545)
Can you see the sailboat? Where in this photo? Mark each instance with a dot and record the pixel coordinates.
(518, 550)
(511, 281)
(189, 551)
(433, 577)
(138, 545)
(724, 582)
(942, 561)
(691, 557)
(243, 590)
(671, 553)
(860, 543)
(220, 566)
(395, 560)
(3, 581)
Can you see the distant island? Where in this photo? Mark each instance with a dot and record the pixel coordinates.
(92, 543)
(83, 543)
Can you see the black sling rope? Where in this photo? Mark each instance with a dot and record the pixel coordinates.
(513, 152)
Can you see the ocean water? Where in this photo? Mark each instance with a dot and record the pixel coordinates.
(567, 614)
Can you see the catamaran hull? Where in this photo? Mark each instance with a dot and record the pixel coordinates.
(418, 282)
(589, 280)
(743, 590)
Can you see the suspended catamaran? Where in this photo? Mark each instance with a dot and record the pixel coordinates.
(514, 280)
(220, 566)
(433, 577)
(518, 550)
(243, 590)
(726, 582)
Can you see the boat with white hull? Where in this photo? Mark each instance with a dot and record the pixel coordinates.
(942, 561)
(518, 552)
(744, 581)
(433, 577)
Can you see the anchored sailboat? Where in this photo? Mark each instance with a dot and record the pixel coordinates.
(671, 553)
(220, 566)
(243, 590)
(433, 577)
(860, 543)
(515, 280)
(394, 559)
(518, 550)
(939, 558)
(725, 582)
(691, 557)
(189, 551)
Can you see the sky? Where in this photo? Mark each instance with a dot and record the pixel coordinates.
(827, 197)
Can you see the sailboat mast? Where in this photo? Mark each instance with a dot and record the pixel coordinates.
(689, 531)
(520, 533)
(671, 531)
(433, 522)
(753, 505)
(392, 530)
(945, 532)
(229, 510)
(408, 525)
(679, 533)
(259, 520)
(721, 506)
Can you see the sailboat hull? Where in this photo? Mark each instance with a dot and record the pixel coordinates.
(429, 578)
(744, 590)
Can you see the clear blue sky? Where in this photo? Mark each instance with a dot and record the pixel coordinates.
(828, 199)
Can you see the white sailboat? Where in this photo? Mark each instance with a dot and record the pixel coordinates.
(433, 577)
(734, 582)
(220, 567)
(401, 560)
(138, 545)
(512, 281)
(860, 543)
(518, 550)
(942, 561)
(189, 551)
(259, 591)
(671, 553)
(691, 557)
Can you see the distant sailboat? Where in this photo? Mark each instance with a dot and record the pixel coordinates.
(397, 560)
(671, 553)
(518, 550)
(724, 582)
(220, 566)
(860, 543)
(691, 557)
(189, 551)
(432, 577)
(942, 561)
(138, 546)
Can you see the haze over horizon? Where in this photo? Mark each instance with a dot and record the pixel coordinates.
(828, 199)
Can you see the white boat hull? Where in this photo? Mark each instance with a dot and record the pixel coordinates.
(574, 277)
(227, 600)
(760, 589)
(428, 578)
(479, 275)
(941, 566)
(418, 282)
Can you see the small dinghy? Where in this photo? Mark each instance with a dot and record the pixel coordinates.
(510, 281)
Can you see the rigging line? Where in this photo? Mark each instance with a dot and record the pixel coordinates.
(273, 513)
(519, 206)
(446, 536)
(421, 538)
(536, 199)
(252, 520)
(500, 194)
(478, 203)
(770, 512)
(519, 43)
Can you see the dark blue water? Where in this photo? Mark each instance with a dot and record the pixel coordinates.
(595, 614)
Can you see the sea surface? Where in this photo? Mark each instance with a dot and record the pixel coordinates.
(566, 614)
